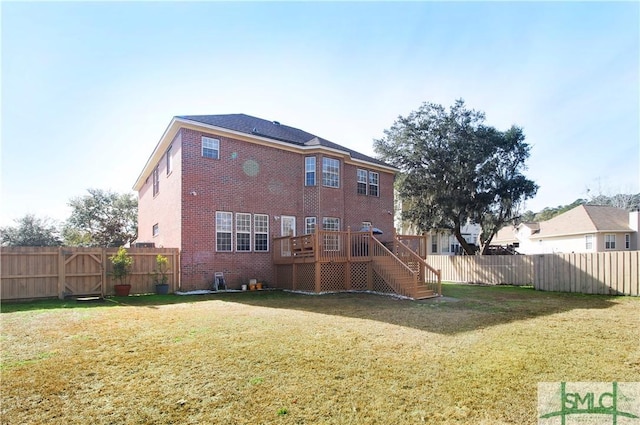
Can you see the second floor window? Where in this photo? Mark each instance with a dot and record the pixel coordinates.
(155, 230)
(169, 161)
(210, 148)
(368, 182)
(310, 171)
(362, 182)
(156, 180)
(609, 241)
(330, 172)
(373, 183)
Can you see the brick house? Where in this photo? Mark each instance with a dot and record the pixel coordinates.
(222, 187)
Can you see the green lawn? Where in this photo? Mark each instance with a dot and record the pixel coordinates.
(474, 356)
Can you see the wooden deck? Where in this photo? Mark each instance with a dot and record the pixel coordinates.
(352, 261)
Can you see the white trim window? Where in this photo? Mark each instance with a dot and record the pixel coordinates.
(169, 160)
(609, 241)
(362, 181)
(156, 180)
(310, 171)
(331, 242)
(243, 232)
(330, 172)
(224, 229)
(310, 225)
(374, 179)
(155, 230)
(210, 147)
(588, 242)
(261, 232)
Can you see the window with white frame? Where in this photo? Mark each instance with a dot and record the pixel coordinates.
(155, 230)
(434, 244)
(362, 182)
(210, 147)
(310, 171)
(609, 241)
(627, 241)
(444, 243)
(243, 232)
(309, 225)
(224, 228)
(374, 179)
(330, 172)
(261, 232)
(156, 180)
(588, 241)
(331, 242)
(169, 160)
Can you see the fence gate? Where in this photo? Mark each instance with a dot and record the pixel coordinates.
(83, 272)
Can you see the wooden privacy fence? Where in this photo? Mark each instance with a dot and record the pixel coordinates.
(45, 272)
(614, 272)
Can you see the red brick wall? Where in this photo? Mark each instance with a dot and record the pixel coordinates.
(255, 179)
(163, 208)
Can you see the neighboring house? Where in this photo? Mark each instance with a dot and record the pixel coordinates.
(438, 242)
(220, 187)
(585, 228)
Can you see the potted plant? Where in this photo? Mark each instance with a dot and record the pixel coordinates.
(122, 264)
(161, 275)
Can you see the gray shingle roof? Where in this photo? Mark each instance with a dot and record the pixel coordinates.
(274, 130)
(587, 219)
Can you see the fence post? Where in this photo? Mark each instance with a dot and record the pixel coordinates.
(61, 277)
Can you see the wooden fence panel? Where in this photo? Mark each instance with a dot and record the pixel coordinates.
(45, 272)
(493, 269)
(614, 273)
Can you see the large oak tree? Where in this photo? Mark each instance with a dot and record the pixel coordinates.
(455, 168)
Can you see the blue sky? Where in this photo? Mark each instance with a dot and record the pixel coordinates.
(88, 87)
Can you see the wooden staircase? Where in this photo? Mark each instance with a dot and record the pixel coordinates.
(405, 271)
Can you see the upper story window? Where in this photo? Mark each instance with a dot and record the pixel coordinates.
(373, 183)
(627, 241)
(155, 230)
(362, 182)
(368, 182)
(588, 242)
(156, 180)
(224, 228)
(310, 171)
(330, 172)
(243, 232)
(261, 232)
(609, 241)
(169, 161)
(309, 225)
(210, 147)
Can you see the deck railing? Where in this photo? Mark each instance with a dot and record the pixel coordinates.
(323, 246)
(427, 275)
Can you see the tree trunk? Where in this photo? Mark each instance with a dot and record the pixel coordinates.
(463, 243)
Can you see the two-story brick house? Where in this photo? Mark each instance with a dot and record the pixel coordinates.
(220, 187)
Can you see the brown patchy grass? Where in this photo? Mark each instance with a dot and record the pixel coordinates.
(475, 356)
